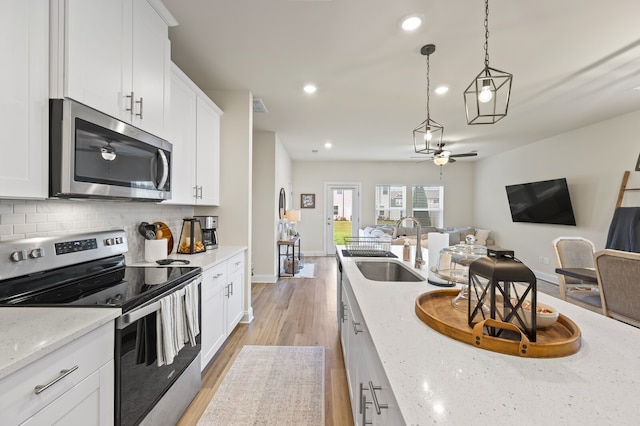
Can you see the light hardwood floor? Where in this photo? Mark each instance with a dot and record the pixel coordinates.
(293, 311)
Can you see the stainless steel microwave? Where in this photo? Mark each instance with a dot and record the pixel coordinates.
(93, 155)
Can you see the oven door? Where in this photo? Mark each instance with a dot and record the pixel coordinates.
(139, 383)
(96, 156)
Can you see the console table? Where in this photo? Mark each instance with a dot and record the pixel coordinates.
(291, 249)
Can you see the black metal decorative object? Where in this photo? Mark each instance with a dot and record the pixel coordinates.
(504, 289)
(429, 133)
(486, 99)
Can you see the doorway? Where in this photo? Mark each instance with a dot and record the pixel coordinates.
(342, 201)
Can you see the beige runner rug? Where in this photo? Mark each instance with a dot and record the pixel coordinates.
(271, 385)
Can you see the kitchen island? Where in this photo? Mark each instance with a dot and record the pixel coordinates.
(436, 379)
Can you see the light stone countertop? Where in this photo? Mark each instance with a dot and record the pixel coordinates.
(438, 380)
(28, 334)
(204, 260)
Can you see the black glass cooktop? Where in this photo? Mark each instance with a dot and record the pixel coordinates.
(107, 282)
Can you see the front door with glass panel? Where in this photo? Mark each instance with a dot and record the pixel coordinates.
(342, 213)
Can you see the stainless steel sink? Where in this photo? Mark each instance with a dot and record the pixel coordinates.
(387, 271)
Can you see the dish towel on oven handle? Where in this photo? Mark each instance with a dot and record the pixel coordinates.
(191, 311)
(177, 322)
(170, 328)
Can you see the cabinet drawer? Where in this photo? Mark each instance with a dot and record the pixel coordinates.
(213, 279)
(236, 263)
(18, 400)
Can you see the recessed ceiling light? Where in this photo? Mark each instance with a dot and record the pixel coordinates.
(327, 145)
(310, 88)
(441, 90)
(411, 23)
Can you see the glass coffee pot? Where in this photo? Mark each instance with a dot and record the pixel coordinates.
(191, 240)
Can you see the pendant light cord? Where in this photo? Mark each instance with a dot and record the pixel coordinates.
(486, 33)
(428, 90)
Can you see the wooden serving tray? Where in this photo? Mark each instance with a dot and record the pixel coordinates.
(560, 339)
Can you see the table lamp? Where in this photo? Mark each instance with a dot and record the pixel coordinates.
(293, 216)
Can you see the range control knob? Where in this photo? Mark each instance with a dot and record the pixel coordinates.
(19, 255)
(109, 242)
(37, 252)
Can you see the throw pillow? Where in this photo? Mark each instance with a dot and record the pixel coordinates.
(454, 237)
(481, 237)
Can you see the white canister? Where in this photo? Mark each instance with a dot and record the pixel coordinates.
(155, 250)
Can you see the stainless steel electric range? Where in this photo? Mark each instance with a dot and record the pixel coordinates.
(89, 270)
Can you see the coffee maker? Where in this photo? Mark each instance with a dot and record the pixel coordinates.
(209, 225)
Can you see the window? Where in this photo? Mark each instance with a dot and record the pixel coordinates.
(428, 206)
(391, 203)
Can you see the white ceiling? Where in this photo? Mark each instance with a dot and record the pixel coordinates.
(574, 62)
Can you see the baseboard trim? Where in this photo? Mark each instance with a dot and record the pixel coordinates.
(264, 279)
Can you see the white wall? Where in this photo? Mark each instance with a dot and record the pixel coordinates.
(309, 178)
(593, 159)
(271, 171)
(236, 147)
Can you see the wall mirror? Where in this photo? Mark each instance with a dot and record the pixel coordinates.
(282, 202)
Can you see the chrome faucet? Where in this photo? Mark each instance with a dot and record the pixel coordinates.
(419, 260)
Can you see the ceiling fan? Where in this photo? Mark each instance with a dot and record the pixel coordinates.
(441, 156)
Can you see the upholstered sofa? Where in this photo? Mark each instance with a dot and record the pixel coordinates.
(456, 234)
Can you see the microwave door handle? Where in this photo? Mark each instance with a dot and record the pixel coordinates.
(165, 169)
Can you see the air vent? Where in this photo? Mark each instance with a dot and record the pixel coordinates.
(258, 106)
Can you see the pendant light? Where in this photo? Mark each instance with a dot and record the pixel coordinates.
(429, 131)
(486, 99)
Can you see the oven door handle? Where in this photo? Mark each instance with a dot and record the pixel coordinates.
(133, 316)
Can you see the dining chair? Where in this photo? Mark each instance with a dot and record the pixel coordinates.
(618, 275)
(576, 252)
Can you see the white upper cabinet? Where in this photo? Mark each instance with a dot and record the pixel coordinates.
(24, 109)
(114, 56)
(208, 153)
(182, 134)
(194, 130)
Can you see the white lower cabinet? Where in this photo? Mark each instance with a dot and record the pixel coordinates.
(222, 304)
(372, 399)
(73, 385)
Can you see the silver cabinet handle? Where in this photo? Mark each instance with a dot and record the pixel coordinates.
(130, 109)
(141, 102)
(63, 373)
(199, 192)
(231, 291)
(344, 314)
(217, 275)
(355, 328)
(378, 406)
(363, 408)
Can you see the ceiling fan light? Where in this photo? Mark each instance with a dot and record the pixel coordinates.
(108, 153)
(440, 160)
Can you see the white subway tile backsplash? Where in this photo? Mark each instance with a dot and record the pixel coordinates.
(25, 219)
(45, 227)
(10, 219)
(24, 228)
(36, 218)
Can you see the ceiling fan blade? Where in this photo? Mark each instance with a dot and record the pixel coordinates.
(466, 154)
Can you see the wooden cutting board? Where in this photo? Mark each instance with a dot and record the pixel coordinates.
(163, 232)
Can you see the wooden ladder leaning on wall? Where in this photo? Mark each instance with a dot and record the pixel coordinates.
(623, 188)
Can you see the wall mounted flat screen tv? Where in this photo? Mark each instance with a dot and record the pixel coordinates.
(545, 201)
